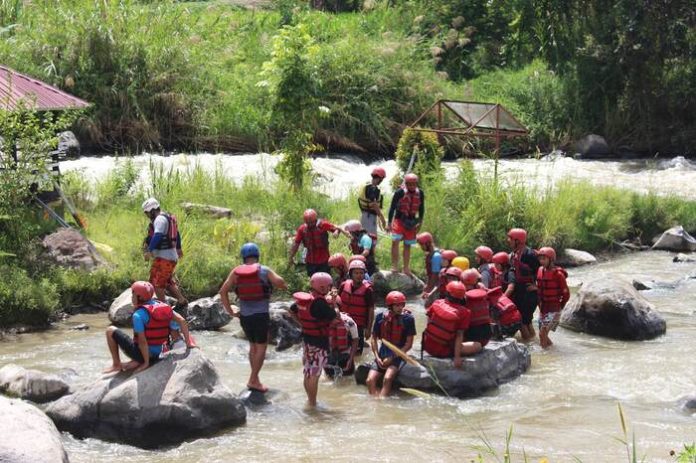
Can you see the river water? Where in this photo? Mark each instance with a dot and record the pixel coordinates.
(564, 407)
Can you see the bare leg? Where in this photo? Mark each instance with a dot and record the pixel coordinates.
(395, 256)
(257, 355)
(544, 339)
(471, 348)
(311, 385)
(159, 294)
(388, 382)
(407, 260)
(372, 379)
(132, 365)
(175, 291)
(113, 350)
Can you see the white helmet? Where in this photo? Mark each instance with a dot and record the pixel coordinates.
(352, 226)
(150, 204)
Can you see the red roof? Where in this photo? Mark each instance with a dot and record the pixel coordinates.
(41, 96)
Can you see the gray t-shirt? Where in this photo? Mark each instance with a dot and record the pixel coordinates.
(161, 225)
(247, 308)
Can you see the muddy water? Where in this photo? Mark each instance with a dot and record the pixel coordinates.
(564, 407)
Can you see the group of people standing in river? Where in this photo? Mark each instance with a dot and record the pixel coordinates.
(466, 307)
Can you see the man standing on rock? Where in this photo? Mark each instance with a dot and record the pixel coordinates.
(152, 322)
(163, 245)
(314, 235)
(525, 265)
(405, 218)
(253, 284)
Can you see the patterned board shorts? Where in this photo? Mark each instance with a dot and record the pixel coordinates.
(161, 272)
(314, 359)
(549, 320)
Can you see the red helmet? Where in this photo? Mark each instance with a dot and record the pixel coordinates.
(410, 178)
(502, 258)
(395, 297)
(310, 215)
(448, 254)
(379, 172)
(359, 257)
(320, 281)
(143, 289)
(357, 263)
(519, 234)
(338, 260)
(484, 252)
(453, 272)
(456, 289)
(470, 277)
(424, 238)
(548, 252)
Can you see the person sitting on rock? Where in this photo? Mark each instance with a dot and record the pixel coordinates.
(339, 269)
(343, 343)
(362, 243)
(313, 234)
(447, 318)
(553, 294)
(253, 284)
(398, 327)
(483, 256)
(356, 298)
(433, 262)
(405, 219)
(152, 322)
(475, 338)
(507, 319)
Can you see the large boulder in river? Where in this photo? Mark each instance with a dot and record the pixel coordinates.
(575, 258)
(28, 436)
(592, 146)
(385, 281)
(613, 308)
(121, 309)
(68, 248)
(178, 398)
(676, 239)
(207, 314)
(498, 363)
(31, 385)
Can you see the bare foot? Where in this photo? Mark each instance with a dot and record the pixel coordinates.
(257, 387)
(395, 270)
(132, 365)
(112, 369)
(407, 272)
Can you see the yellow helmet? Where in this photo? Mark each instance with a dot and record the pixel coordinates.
(461, 262)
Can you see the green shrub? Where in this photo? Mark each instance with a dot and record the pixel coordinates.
(25, 300)
(421, 153)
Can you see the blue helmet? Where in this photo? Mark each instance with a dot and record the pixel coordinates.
(250, 250)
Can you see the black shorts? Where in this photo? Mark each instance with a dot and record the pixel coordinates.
(361, 341)
(130, 348)
(256, 327)
(480, 333)
(526, 303)
(315, 268)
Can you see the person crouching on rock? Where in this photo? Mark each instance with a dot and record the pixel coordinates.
(253, 284)
(397, 326)
(343, 343)
(152, 322)
(553, 294)
(315, 311)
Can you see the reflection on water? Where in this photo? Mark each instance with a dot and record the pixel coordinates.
(564, 407)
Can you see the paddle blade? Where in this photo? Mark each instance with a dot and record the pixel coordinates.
(406, 358)
(415, 393)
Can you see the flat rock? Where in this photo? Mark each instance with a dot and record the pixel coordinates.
(385, 281)
(212, 211)
(207, 314)
(33, 385)
(612, 308)
(575, 258)
(178, 398)
(28, 435)
(68, 248)
(676, 239)
(498, 363)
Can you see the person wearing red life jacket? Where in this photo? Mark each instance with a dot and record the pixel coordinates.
(553, 294)
(525, 265)
(503, 274)
(343, 345)
(504, 313)
(371, 202)
(405, 219)
(446, 318)
(313, 234)
(471, 279)
(483, 256)
(339, 269)
(253, 284)
(433, 262)
(356, 298)
(475, 338)
(439, 291)
(362, 243)
(152, 322)
(397, 326)
(162, 245)
(315, 311)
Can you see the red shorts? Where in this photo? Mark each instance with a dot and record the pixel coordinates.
(401, 233)
(161, 272)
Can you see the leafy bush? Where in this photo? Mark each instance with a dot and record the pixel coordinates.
(421, 153)
(25, 300)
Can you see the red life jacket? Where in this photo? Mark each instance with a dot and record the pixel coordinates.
(477, 303)
(310, 325)
(169, 240)
(553, 292)
(507, 310)
(444, 319)
(442, 283)
(339, 338)
(355, 247)
(429, 262)
(250, 286)
(354, 302)
(157, 327)
(409, 204)
(314, 239)
(392, 327)
(524, 274)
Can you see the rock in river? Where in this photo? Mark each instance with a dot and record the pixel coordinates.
(676, 239)
(207, 314)
(612, 308)
(385, 281)
(498, 363)
(33, 385)
(178, 398)
(28, 436)
(575, 258)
